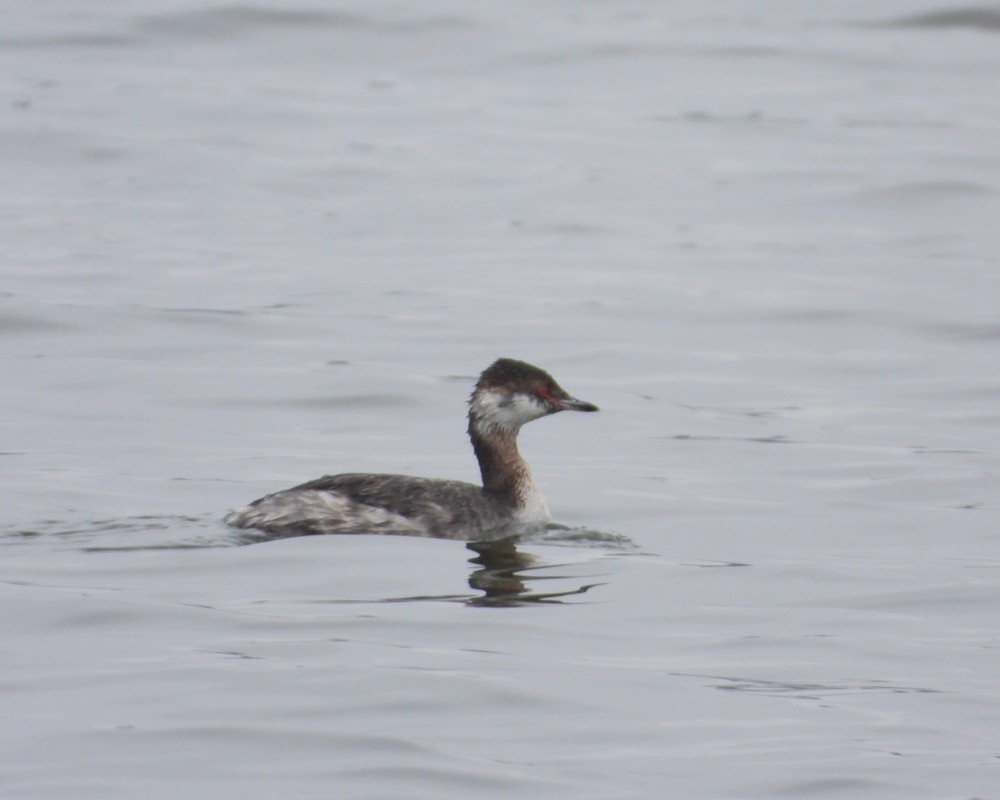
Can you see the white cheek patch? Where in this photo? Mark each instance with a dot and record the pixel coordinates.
(506, 411)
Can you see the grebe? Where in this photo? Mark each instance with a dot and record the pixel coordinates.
(508, 394)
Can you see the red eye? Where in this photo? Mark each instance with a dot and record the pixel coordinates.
(545, 393)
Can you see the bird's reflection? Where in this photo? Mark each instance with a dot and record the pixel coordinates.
(501, 574)
(501, 579)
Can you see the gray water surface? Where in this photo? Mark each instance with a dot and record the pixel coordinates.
(247, 245)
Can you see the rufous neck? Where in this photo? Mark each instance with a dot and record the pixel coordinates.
(503, 469)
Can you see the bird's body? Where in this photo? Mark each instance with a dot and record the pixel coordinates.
(508, 394)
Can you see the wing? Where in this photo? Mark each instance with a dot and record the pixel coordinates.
(401, 494)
